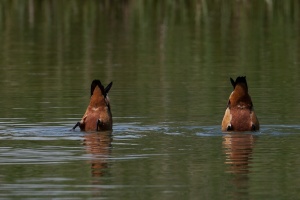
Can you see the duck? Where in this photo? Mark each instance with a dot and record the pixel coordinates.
(98, 115)
(239, 114)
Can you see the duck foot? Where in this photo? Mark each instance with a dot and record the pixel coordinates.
(253, 127)
(98, 125)
(77, 124)
(229, 127)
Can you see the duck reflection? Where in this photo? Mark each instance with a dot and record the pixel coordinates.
(238, 149)
(98, 145)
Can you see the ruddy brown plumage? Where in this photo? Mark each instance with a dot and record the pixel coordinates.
(98, 115)
(240, 115)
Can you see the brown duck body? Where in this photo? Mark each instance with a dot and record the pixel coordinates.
(98, 115)
(240, 115)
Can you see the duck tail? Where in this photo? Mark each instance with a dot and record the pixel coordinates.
(97, 83)
(238, 80)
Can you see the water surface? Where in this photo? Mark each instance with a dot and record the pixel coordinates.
(170, 63)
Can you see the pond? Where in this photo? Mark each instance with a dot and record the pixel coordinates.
(170, 63)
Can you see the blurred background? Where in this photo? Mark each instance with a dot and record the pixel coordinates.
(169, 60)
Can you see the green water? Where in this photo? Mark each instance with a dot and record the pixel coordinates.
(170, 63)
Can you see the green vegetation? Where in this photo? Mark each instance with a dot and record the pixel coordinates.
(168, 58)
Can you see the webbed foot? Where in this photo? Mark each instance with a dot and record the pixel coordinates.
(229, 127)
(98, 125)
(253, 127)
(77, 124)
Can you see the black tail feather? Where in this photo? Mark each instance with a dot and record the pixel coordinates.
(239, 79)
(96, 83)
(106, 90)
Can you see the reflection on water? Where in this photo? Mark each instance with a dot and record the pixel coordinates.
(238, 148)
(162, 161)
(98, 145)
(153, 52)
